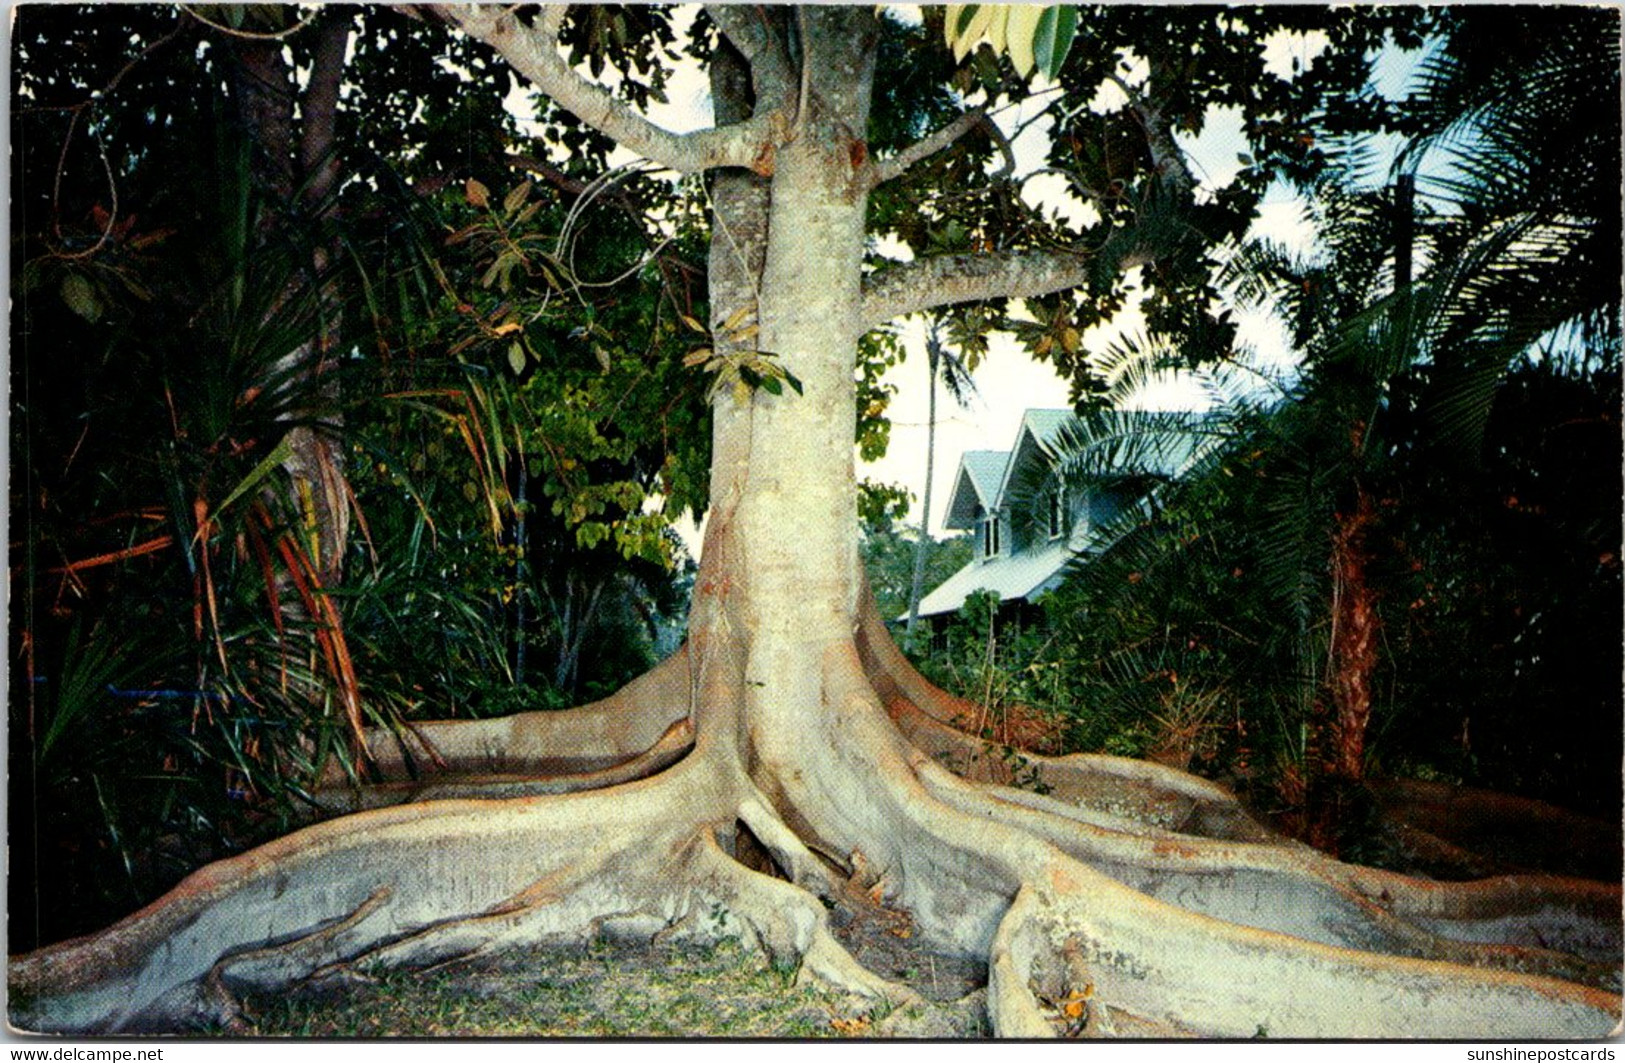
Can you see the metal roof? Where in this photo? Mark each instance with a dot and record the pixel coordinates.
(984, 480)
(1040, 430)
(980, 473)
(1024, 575)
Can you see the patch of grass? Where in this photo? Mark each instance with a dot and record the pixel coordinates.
(601, 991)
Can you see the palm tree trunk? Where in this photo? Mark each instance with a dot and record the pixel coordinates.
(1354, 638)
(923, 546)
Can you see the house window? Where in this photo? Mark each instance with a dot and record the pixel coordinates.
(1057, 515)
(990, 536)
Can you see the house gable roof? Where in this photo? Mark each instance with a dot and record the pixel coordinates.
(976, 486)
(1046, 425)
(1138, 443)
(987, 478)
(1035, 440)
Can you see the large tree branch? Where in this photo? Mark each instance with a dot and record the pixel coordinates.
(533, 51)
(748, 29)
(895, 166)
(943, 280)
(1166, 157)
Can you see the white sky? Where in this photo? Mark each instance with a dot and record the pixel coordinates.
(1009, 382)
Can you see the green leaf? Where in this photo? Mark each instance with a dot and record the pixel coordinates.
(80, 295)
(516, 358)
(967, 26)
(278, 455)
(1052, 39)
(516, 197)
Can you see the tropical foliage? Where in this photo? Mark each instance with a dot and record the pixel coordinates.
(1370, 571)
(501, 416)
(319, 433)
(427, 388)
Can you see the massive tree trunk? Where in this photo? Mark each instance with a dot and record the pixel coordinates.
(791, 718)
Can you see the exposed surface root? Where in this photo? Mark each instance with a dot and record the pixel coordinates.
(790, 925)
(1014, 957)
(1182, 839)
(1168, 966)
(410, 885)
(425, 885)
(790, 853)
(1500, 832)
(1117, 788)
(1128, 899)
(1239, 902)
(444, 784)
(1562, 928)
(582, 740)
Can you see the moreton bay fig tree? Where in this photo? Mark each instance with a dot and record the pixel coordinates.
(789, 723)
